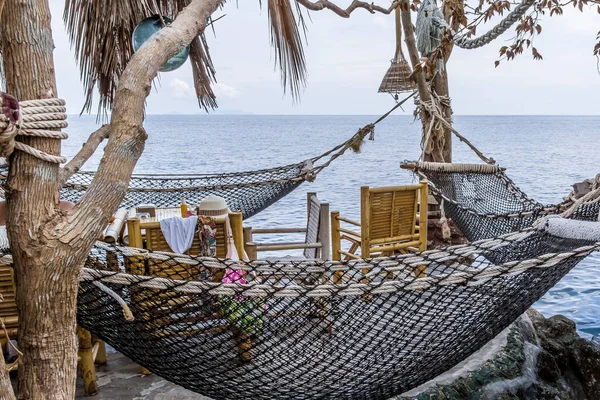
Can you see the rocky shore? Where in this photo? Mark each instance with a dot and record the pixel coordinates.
(536, 358)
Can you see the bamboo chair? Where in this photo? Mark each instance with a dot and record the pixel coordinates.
(155, 241)
(316, 238)
(315, 246)
(393, 220)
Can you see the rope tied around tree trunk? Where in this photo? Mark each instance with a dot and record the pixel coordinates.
(433, 108)
(32, 118)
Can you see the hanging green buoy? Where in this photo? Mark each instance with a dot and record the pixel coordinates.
(149, 27)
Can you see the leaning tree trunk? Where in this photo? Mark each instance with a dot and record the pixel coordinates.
(48, 245)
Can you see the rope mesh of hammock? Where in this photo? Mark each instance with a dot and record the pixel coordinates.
(248, 192)
(485, 203)
(368, 329)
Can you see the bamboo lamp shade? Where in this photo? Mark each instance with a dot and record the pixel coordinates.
(149, 27)
(398, 79)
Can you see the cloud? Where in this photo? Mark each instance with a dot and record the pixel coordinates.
(180, 89)
(223, 91)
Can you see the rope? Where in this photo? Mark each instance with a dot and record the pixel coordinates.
(431, 24)
(433, 108)
(37, 118)
(465, 43)
(356, 138)
(589, 198)
(462, 273)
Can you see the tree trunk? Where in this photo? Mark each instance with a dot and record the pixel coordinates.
(424, 95)
(48, 245)
(46, 289)
(440, 85)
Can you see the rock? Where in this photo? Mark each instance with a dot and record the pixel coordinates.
(585, 359)
(542, 359)
(547, 368)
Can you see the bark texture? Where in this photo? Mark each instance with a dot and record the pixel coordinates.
(87, 150)
(46, 290)
(48, 245)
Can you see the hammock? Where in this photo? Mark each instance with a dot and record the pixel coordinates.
(365, 329)
(484, 202)
(249, 192)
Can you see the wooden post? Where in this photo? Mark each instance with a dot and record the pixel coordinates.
(86, 362)
(423, 214)
(101, 355)
(335, 236)
(247, 238)
(336, 245)
(365, 222)
(251, 251)
(237, 229)
(423, 211)
(324, 234)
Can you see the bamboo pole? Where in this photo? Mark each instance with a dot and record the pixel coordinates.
(100, 358)
(237, 229)
(324, 229)
(335, 236)
(86, 362)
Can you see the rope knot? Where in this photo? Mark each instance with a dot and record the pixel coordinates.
(37, 118)
(11, 124)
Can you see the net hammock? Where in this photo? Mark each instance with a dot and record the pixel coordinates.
(368, 329)
(248, 192)
(484, 202)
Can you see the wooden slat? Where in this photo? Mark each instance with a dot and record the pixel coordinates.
(349, 221)
(261, 231)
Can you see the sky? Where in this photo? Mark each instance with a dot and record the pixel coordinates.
(347, 59)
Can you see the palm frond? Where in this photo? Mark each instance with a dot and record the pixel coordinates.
(100, 32)
(285, 38)
(204, 73)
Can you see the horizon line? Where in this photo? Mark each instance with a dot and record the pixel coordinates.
(249, 114)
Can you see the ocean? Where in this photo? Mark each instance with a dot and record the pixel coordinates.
(544, 156)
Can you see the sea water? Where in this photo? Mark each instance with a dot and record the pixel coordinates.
(543, 155)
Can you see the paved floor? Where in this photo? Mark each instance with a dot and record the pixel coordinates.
(120, 379)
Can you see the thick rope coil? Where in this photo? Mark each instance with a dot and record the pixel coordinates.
(431, 24)
(37, 118)
(465, 43)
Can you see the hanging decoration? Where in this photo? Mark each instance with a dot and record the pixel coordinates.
(398, 78)
(149, 27)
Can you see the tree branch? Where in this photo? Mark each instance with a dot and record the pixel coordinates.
(89, 148)
(88, 218)
(370, 7)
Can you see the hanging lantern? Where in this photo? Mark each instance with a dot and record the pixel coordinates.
(149, 27)
(397, 78)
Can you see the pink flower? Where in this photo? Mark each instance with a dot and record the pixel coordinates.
(232, 276)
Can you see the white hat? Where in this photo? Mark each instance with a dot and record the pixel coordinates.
(213, 206)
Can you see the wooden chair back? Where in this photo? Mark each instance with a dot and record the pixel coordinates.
(389, 219)
(316, 243)
(317, 228)
(155, 241)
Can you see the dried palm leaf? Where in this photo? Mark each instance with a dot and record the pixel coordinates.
(100, 32)
(285, 38)
(204, 73)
